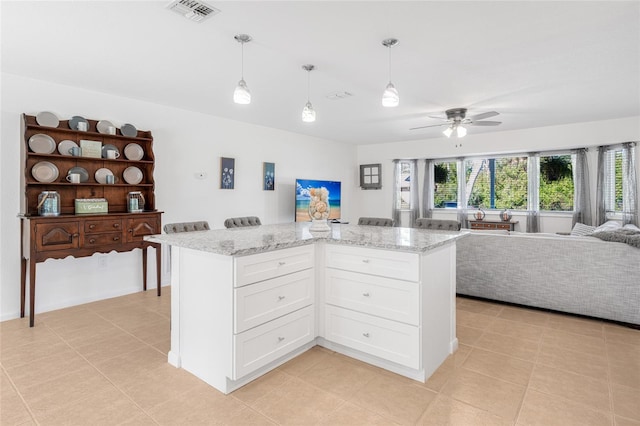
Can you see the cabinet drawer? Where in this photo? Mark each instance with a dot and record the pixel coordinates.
(390, 340)
(142, 226)
(263, 266)
(392, 264)
(384, 297)
(259, 346)
(56, 236)
(106, 225)
(258, 303)
(96, 240)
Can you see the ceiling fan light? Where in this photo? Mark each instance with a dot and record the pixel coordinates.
(308, 113)
(461, 131)
(242, 95)
(390, 96)
(448, 131)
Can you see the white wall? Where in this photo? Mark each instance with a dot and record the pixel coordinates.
(185, 143)
(591, 134)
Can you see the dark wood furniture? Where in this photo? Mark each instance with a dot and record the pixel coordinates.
(493, 224)
(56, 237)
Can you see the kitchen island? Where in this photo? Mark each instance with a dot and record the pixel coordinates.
(246, 300)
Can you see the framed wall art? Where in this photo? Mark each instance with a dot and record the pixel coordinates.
(371, 176)
(268, 176)
(227, 173)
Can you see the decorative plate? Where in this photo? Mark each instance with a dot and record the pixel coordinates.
(132, 175)
(65, 146)
(73, 123)
(101, 175)
(48, 119)
(84, 175)
(44, 171)
(134, 152)
(42, 144)
(103, 126)
(109, 147)
(129, 130)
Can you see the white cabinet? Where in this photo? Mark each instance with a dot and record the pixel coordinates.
(271, 264)
(385, 263)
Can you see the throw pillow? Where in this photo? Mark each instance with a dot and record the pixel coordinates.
(631, 226)
(610, 225)
(581, 230)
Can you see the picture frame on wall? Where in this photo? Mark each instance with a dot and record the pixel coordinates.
(268, 176)
(371, 176)
(227, 173)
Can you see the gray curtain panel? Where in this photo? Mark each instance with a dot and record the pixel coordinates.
(414, 205)
(581, 198)
(630, 184)
(462, 193)
(427, 189)
(395, 209)
(533, 212)
(601, 211)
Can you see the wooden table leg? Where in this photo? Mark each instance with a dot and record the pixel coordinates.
(32, 291)
(158, 248)
(144, 268)
(23, 284)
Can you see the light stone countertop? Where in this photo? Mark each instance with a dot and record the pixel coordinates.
(258, 239)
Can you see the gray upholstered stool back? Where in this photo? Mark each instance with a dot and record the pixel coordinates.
(172, 228)
(375, 221)
(437, 224)
(239, 222)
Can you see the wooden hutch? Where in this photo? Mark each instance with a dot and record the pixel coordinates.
(71, 234)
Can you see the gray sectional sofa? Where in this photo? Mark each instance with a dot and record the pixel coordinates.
(579, 275)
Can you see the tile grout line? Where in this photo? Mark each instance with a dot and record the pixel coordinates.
(17, 391)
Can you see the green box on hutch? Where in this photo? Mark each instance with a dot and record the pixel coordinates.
(91, 205)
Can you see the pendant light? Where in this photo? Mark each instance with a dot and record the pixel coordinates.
(242, 95)
(308, 113)
(390, 96)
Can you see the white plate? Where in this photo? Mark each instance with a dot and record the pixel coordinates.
(48, 119)
(132, 175)
(129, 130)
(109, 147)
(103, 126)
(42, 144)
(73, 122)
(84, 174)
(134, 152)
(101, 175)
(65, 146)
(44, 171)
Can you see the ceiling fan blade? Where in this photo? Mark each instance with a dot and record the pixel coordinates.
(485, 123)
(484, 115)
(436, 117)
(432, 125)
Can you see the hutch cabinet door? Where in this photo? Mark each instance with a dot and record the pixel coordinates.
(142, 226)
(56, 236)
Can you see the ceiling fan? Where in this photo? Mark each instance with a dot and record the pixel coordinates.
(457, 120)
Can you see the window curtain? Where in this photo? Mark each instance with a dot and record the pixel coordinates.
(397, 173)
(533, 201)
(581, 198)
(629, 184)
(414, 204)
(462, 194)
(601, 211)
(428, 189)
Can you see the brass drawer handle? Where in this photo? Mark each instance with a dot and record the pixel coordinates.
(92, 226)
(116, 225)
(116, 238)
(92, 241)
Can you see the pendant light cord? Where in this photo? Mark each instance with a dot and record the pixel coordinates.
(242, 61)
(389, 63)
(308, 85)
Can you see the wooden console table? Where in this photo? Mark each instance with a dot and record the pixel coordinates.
(80, 236)
(493, 224)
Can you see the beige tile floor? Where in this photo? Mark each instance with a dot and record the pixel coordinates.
(104, 363)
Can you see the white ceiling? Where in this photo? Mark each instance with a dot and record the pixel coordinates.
(537, 63)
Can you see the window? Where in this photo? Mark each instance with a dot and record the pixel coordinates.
(405, 185)
(497, 183)
(445, 176)
(556, 183)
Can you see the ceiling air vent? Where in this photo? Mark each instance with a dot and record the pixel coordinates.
(193, 10)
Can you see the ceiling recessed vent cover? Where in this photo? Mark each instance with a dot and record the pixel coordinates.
(339, 95)
(193, 10)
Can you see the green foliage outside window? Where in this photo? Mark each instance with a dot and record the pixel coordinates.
(556, 183)
(446, 185)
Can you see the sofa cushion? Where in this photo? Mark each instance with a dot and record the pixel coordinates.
(610, 225)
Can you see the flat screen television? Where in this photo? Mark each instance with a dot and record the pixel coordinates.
(302, 198)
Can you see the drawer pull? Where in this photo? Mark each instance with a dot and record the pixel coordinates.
(366, 294)
(281, 263)
(365, 260)
(92, 226)
(365, 334)
(116, 238)
(281, 297)
(116, 225)
(280, 338)
(92, 241)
